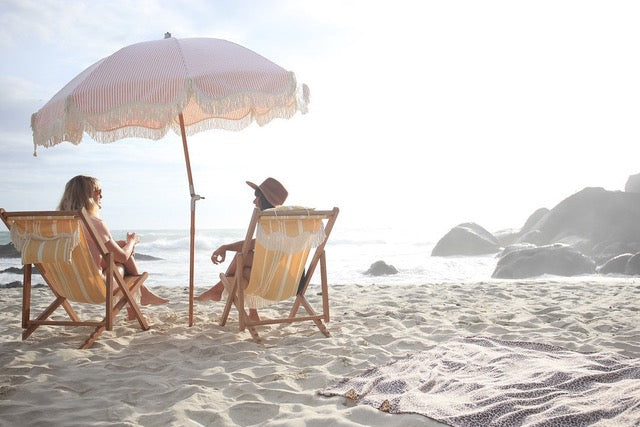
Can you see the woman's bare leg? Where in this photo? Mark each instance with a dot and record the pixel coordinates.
(149, 298)
(253, 315)
(131, 315)
(146, 296)
(130, 266)
(215, 292)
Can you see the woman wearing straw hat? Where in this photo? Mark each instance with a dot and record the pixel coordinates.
(269, 194)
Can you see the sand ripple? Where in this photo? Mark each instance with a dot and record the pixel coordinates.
(209, 375)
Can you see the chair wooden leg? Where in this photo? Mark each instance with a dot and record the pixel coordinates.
(254, 334)
(318, 322)
(27, 332)
(139, 316)
(72, 314)
(232, 299)
(296, 307)
(108, 316)
(231, 290)
(324, 287)
(93, 337)
(26, 295)
(322, 328)
(137, 284)
(65, 304)
(46, 313)
(243, 317)
(242, 314)
(127, 298)
(124, 300)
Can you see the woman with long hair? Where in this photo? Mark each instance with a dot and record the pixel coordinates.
(85, 192)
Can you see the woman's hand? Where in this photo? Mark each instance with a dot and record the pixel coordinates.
(133, 237)
(219, 255)
(132, 240)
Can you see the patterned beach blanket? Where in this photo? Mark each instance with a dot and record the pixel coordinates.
(480, 381)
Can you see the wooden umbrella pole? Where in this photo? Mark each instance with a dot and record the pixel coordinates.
(192, 233)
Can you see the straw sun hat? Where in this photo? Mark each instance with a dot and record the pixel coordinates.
(272, 190)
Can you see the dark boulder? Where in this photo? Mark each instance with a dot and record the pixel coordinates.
(531, 237)
(582, 244)
(510, 236)
(381, 268)
(559, 260)
(14, 284)
(515, 247)
(14, 270)
(466, 239)
(19, 270)
(633, 184)
(18, 284)
(143, 257)
(633, 265)
(506, 237)
(616, 265)
(527, 234)
(533, 219)
(604, 251)
(591, 216)
(9, 251)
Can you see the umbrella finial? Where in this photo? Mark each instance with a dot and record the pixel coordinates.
(167, 35)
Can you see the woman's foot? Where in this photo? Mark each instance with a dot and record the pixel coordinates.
(253, 315)
(149, 298)
(213, 294)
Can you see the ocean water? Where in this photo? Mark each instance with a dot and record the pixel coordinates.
(349, 254)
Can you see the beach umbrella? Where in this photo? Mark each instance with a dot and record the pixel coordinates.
(186, 85)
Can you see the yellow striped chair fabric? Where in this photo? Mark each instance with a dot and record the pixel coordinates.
(58, 245)
(282, 246)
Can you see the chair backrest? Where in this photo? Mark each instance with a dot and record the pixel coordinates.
(57, 243)
(284, 238)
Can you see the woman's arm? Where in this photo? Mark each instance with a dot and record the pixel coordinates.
(122, 254)
(121, 250)
(220, 254)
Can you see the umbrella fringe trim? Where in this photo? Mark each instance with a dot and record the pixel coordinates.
(283, 106)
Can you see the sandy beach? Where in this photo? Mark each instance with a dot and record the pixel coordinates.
(212, 375)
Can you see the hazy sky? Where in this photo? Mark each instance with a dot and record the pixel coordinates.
(423, 114)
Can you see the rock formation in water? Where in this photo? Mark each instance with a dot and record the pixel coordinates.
(559, 260)
(633, 184)
(601, 225)
(381, 268)
(466, 239)
(616, 265)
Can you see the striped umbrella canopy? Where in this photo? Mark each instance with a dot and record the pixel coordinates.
(187, 85)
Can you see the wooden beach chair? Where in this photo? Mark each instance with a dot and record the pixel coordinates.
(57, 244)
(285, 237)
